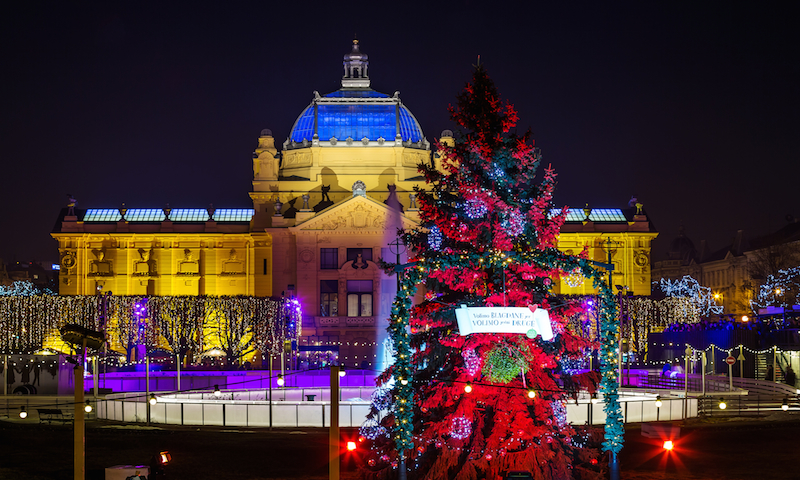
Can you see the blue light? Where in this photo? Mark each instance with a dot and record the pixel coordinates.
(435, 238)
(304, 126)
(188, 215)
(145, 215)
(233, 214)
(409, 127)
(357, 120)
(597, 215)
(102, 215)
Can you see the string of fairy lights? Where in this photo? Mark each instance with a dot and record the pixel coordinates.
(232, 324)
(402, 370)
(152, 398)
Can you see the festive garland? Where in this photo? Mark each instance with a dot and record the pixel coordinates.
(487, 239)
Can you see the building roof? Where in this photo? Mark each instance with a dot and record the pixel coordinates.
(100, 216)
(356, 114)
(788, 234)
(604, 215)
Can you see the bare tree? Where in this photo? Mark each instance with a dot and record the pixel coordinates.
(132, 327)
(770, 267)
(231, 325)
(178, 320)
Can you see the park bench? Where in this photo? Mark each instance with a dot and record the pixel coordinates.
(50, 415)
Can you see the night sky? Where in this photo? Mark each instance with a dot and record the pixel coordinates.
(692, 106)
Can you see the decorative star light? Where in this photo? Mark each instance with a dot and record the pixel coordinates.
(460, 428)
(475, 208)
(435, 238)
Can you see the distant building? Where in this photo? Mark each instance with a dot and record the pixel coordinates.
(732, 272)
(325, 209)
(41, 276)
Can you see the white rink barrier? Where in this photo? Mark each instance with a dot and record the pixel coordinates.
(292, 408)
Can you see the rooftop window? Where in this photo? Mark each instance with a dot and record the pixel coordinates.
(233, 214)
(145, 215)
(102, 215)
(597, 215)
(188, 215)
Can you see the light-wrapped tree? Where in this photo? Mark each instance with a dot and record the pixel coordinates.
(457, 406)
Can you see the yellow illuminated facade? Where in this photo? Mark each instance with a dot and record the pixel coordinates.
(325, 210)
(129, 257)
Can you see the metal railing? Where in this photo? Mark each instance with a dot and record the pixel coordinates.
(234, 414)
(747, 405)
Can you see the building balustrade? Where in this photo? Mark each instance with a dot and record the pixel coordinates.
(342, 321)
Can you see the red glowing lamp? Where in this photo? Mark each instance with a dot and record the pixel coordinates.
(351, 446)
(668, 445)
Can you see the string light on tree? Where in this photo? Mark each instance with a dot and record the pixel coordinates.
(446, 386)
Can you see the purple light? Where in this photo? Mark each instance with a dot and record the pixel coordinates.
(461, 428)
(472, 362)
(140, 308)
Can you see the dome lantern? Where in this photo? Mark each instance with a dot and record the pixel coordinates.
(355, 68)
(356, 115)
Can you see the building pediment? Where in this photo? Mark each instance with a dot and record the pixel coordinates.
(356, 214)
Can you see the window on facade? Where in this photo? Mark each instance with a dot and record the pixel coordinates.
(359, 298)
(328, 298)
(352, 254)
(329, 258)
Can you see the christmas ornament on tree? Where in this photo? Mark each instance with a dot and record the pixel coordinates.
(479, 403)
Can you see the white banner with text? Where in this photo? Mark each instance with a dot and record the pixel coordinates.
(523, 320)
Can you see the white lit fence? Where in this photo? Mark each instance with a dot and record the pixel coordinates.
(227, 414)
(310, 407)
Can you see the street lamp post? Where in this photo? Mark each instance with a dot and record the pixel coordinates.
(688, 352)
(333, 437)
(78, 335)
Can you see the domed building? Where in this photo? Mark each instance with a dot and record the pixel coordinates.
(326, 208)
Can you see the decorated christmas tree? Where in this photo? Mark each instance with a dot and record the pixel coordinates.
(467, 405)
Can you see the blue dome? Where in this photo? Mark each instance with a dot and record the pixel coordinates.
(356, 113)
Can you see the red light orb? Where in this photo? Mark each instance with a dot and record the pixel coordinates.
(668, 445)
(351, 446)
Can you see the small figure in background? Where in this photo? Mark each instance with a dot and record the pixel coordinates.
(789, 376)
